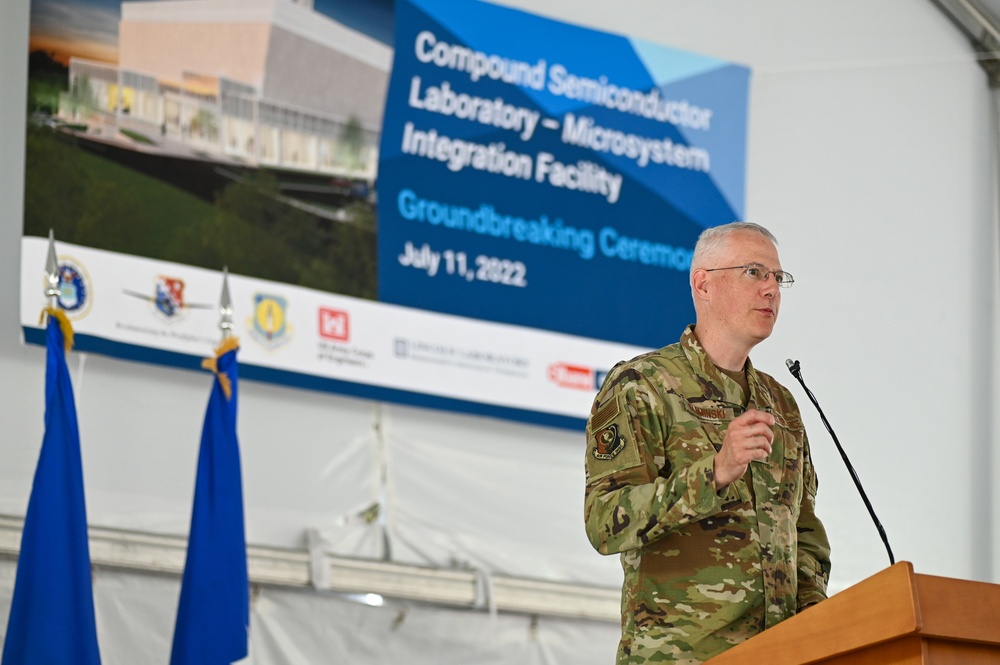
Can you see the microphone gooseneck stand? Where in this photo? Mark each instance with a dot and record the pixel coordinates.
(793, 367)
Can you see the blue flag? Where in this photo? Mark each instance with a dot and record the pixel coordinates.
(213, 615)
(52, 612)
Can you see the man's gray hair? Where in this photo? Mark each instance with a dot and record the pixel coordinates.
(713, 239)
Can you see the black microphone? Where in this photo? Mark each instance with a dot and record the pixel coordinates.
(793, 367)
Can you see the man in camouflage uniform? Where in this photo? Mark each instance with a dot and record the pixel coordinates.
(699, 472)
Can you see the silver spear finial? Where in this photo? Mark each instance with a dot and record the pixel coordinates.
(226, 307)
(52, 274)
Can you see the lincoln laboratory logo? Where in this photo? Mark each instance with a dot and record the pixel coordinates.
(166, 300)
(74, 288)
(169, 297)
(269, 323)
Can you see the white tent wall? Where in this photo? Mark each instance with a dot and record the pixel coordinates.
(871, 158)
(135, 618)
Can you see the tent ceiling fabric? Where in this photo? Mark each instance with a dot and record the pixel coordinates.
(980, 21)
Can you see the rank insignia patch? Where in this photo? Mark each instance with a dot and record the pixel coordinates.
(609, 443)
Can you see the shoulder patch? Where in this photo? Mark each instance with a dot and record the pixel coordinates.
(609, 442)
(611, 445)
(605, 414)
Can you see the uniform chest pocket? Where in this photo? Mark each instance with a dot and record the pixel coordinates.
(711, 434)
(706, 421)
(785, 469)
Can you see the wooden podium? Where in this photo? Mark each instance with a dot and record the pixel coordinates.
(894, 617)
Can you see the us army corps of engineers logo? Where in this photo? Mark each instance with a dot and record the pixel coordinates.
(609, 443)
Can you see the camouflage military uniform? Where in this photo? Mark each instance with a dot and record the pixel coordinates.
(704, 569)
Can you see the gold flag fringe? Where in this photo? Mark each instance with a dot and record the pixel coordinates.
(64, 325)
(212, 365)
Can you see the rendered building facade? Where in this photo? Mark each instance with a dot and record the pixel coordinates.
(257, 82)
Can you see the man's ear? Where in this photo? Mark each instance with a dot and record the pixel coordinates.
(699, 284)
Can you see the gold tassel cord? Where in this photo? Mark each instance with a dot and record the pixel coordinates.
(64, 325)
(212, 364)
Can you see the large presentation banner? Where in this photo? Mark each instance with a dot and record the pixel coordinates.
(483, 216)
(542, 174)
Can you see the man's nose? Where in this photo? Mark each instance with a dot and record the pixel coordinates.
(770, 285)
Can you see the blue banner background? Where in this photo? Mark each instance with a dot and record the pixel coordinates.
(565, 290)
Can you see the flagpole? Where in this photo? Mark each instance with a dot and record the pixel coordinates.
(226, 307)
(52, 617)
(52, 291)
(213, 611)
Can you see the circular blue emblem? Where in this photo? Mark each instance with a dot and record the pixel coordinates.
(74, 292)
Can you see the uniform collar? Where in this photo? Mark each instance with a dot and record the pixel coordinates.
(716, 384)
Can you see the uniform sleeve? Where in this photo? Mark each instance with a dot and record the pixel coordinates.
(813, 546)
(638, 489)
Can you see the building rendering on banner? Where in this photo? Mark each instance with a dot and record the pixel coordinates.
(266, 83)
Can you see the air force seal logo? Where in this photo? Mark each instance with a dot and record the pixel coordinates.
(74, 288)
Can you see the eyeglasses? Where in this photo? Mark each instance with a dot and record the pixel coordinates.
(760, 273)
